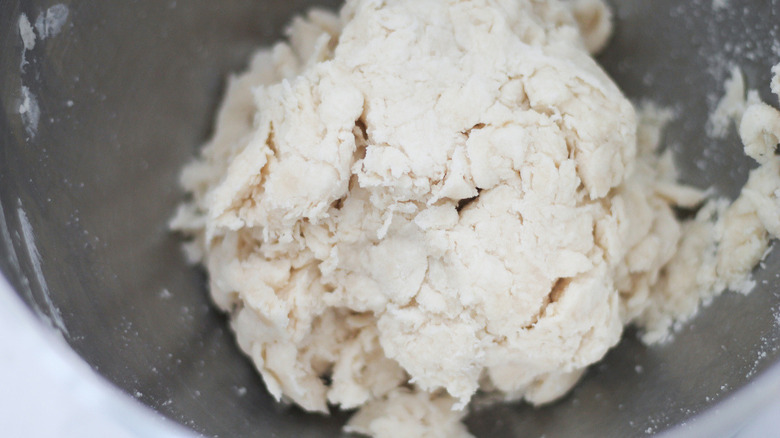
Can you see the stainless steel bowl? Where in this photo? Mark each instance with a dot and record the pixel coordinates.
(127, 92)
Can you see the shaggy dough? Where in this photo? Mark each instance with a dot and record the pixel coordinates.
(423, 198)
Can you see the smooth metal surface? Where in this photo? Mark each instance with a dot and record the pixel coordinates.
(92, 190)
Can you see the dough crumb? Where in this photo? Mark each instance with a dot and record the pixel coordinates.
(731, 106)
(409, 414)
(594, 19)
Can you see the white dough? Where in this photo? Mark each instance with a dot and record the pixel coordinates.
(423, 198)
(732, 105)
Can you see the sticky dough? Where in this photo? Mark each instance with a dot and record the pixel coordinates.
(419, 199)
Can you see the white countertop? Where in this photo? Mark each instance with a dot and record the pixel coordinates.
(48, 391)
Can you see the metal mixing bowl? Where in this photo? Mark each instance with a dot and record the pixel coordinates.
(127, 91)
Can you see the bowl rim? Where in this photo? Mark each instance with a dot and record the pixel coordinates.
(727, 416)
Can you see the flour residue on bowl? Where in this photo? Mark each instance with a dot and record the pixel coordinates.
(27, 34)
(28, 238)
(29, 111)
(48, 24)
(720, 4)
(6, 237)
